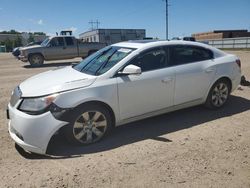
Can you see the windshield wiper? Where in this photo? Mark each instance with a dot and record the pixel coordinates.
(95, 58)
(105, 63)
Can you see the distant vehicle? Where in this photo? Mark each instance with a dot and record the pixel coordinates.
(189, 39)
(16, 51)
(57, 48)
(119, 84)
(184, 38)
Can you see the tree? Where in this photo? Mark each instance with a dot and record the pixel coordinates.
(39, 33)
(31, 38)
(18, 41)
(9, 45)
(12, 31)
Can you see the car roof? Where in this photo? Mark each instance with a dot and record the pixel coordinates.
(155, 43)
(146, 44)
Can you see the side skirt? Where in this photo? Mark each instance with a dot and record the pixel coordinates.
(162, 111)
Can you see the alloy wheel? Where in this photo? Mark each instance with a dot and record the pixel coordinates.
(220, 94)
(90, 127)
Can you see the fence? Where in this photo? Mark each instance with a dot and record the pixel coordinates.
(243, 42)
(2, 48)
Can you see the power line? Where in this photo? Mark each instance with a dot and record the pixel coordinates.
(96, 23)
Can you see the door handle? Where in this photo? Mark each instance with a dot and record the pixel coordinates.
(167, 80)
(209, 70)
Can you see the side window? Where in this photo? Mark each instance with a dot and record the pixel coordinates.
(187, 54)
(54, 42)
(151, 60)
(69, 41)
(57, 42)
(60, 41)
(202, 54)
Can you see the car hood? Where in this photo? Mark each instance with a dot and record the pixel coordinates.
(55, 81)
(31, 47)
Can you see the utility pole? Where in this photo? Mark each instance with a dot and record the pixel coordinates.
(97, 23)
(166, 18)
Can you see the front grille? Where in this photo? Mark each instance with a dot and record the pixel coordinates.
(16, 95)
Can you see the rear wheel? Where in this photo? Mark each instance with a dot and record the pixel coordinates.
(218, 94)
(89, 125)
(36, 60)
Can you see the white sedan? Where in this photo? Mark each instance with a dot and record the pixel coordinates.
(118, 84)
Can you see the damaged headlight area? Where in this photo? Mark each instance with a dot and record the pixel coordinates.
(38, 105)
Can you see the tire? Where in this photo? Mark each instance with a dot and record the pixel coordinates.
(36, 60)
(218, 94)
(88, 125)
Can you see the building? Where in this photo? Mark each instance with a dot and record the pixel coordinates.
(111, 36)
(220, 34)
(24, 37)
(2, 48)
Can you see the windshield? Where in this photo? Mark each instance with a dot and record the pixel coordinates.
(103, 60)
(45, 42)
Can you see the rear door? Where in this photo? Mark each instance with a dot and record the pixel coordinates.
(195, 69)
(71, 47)
(150, 91)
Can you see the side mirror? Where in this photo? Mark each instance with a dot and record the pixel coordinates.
(131, 69)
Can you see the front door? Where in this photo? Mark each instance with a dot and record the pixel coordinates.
(56, 49)
(150, 91)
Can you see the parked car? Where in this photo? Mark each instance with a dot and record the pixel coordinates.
(184, 38)
(57, 48)
(121, 83)
(16, 51)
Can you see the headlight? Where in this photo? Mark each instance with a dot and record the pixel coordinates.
(37, 104)
(23, 53)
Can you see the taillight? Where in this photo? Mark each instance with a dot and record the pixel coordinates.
(238, 63)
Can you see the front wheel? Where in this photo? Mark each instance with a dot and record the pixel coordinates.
(218, 94)
(36, 60)
(90, 125)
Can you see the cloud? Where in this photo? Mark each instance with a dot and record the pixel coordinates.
(51, 34)
(74, 29)
(40, 22)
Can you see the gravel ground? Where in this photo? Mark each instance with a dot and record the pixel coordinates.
(194, 147)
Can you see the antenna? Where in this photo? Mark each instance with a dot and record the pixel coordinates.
(96, 23)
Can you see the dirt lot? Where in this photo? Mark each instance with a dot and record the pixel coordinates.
(194, 147)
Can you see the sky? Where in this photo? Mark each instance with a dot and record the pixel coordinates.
(185, 16)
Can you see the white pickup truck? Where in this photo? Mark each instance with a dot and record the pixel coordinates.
(57, 48)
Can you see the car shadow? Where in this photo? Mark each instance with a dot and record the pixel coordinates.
(53, 64)
(151, 128)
